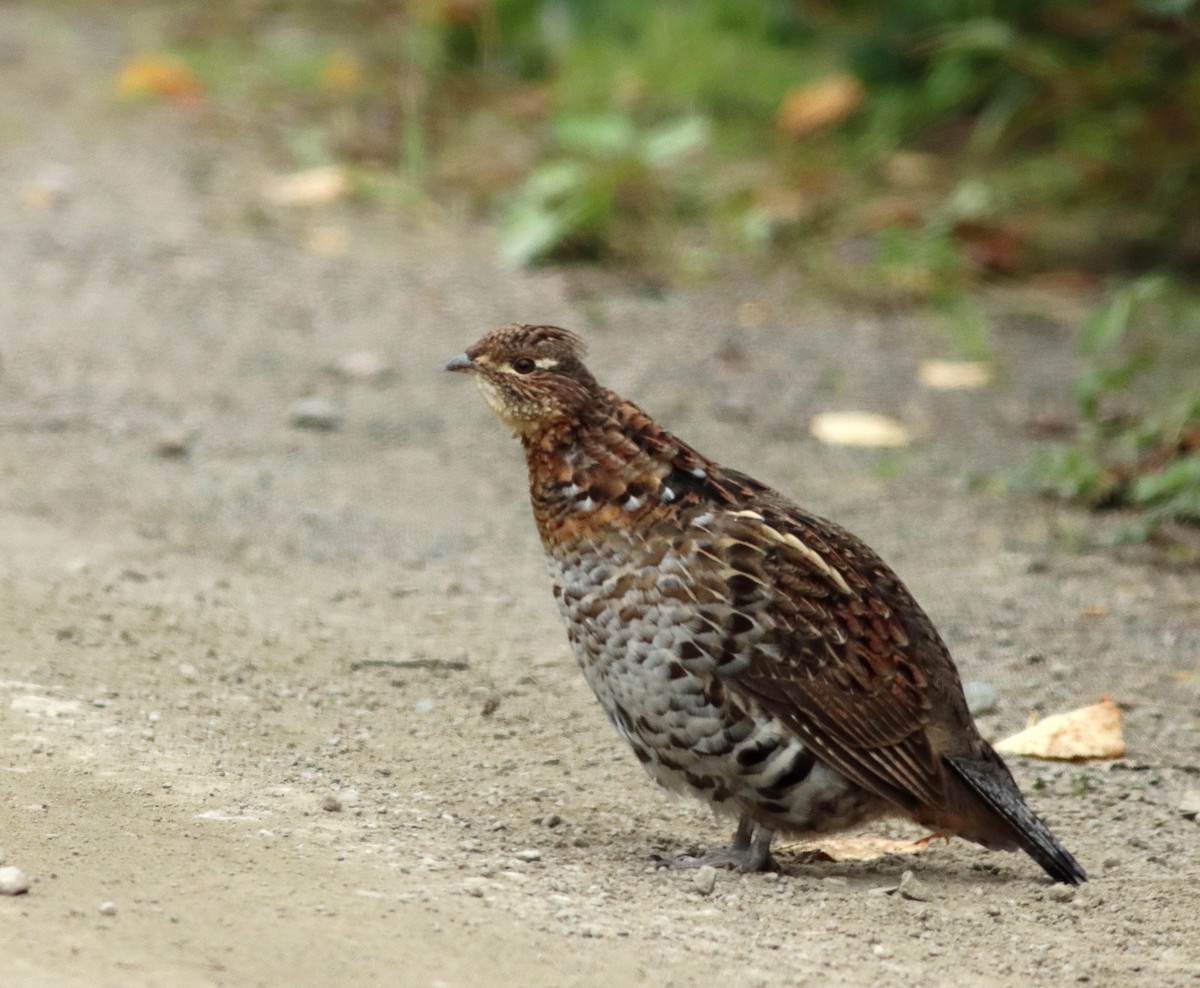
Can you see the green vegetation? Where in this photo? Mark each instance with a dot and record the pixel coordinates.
(1128, 454)
(898, 154)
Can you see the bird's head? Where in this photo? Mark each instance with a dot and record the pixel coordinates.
(532, 377)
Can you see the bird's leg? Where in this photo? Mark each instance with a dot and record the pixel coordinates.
(750, 851)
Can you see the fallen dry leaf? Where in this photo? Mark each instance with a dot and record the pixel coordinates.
(890, 211)
(1087, 733)
(997, 249)
(313, 187)
(858, 429)
(954, 375)
(1078, 283)
(462, 13)
(751, 313)
(819, 105)
(851, 848)
(50, 187)
(912, 169)
(341, 74)
(783, 206)
(157, 75)
(529, 102)
(328, 240)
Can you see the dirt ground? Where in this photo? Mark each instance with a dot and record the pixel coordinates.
(296, 702)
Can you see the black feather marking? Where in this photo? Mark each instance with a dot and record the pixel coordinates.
(684, 482)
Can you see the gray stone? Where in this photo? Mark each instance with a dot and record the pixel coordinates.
(982, 697)
(13, 881)
(318, 414)
(911, 888)
(705, 879)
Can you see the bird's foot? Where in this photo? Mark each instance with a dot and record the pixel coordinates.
(737, 859)
(750, 852)
(924, 841)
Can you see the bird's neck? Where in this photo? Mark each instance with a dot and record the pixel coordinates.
(612, 468)
(603, 468)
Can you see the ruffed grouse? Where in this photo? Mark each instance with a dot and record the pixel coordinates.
(752, 654)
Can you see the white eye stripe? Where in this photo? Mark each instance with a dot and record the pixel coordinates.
(542, 363)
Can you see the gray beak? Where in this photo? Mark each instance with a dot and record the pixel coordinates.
(462, 363)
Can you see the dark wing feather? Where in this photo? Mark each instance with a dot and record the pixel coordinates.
(848, 653)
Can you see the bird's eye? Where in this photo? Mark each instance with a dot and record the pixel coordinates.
(523, 365)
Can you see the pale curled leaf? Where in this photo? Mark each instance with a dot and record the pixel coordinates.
(341, 74)
(954, 375)
(363, 365)
(851, 848)
(820, 105)
(858, 429)
(1091, 732)
(157, 76)
(312, 187)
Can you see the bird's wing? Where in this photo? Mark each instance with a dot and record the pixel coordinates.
(839, 650)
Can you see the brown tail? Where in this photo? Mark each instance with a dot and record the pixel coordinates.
(1000, 792)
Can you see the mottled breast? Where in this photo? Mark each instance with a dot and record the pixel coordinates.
(654, 628)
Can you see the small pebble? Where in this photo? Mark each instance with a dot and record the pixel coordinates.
(317, 413)
(331, 804)
(13, 881)
(982, 697)
(51, 186)
(364, 366)
(530, 854)
(1061, 893)
(173, 443)
(108, 909)
(911, 888)
(705, 879)
(1189, 806)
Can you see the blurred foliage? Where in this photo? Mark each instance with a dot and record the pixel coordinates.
(1022, 135)
(899, 154)
(1125, 455)
(608, 172)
